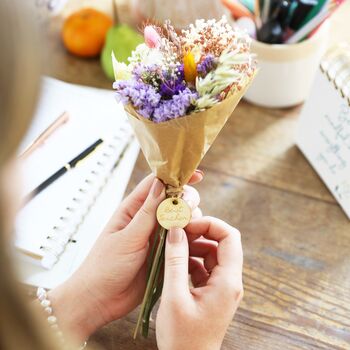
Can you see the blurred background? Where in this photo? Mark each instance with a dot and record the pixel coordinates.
(93, 28)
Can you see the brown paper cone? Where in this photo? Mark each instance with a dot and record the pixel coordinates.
(174, 149)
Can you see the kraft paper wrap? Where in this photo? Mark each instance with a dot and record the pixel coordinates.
(174, 149)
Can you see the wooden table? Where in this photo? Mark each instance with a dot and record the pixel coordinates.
(296, 238)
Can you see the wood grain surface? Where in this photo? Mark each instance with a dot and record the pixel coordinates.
(296, 239)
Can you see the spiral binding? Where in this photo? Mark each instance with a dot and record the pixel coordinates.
(336, 65)
(67, 225)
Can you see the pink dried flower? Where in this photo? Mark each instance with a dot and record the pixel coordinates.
(152, 38)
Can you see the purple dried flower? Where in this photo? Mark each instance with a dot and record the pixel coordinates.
(177, 106)
(138, 71)
(173, 82)
(180, 71)
(171, 87)
(149, 74)
(142, 96)
(208, 64)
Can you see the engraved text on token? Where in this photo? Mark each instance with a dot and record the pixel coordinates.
(173, 212)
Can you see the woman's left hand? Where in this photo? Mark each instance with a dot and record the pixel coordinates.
(111, 281)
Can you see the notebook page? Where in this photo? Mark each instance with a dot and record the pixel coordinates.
(90, 229)
(94, 114)
(49, 208)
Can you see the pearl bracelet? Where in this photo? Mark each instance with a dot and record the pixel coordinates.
(51, 319)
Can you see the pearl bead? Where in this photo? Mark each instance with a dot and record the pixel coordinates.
(52, 319)
(45, 303)
(42, 297)
(41, 292)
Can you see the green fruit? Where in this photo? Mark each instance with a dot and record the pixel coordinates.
(121, 39)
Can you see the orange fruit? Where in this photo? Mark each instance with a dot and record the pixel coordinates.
(84, 32)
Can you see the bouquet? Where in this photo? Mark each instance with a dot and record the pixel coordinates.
(178, 90)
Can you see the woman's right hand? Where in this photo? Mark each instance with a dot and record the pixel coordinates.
(197, 318)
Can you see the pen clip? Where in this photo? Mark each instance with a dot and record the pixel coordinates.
(85, 154)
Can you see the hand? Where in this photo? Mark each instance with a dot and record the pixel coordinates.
(197, 318)
(111, 281)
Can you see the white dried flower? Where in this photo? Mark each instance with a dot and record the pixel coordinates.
(121, 70)
(214, 37)
(205, 102)
(227, 73)
(146, 55)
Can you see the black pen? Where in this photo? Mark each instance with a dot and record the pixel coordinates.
(70, 165)
(272, 31)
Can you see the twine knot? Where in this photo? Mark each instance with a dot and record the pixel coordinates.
(173, 191)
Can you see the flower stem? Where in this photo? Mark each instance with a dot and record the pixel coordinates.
(157, 291)
(146, 302)
(152, 251)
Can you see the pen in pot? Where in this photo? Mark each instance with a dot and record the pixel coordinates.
(265, 13)
(302, 9)
(313, 23)
(257, 13)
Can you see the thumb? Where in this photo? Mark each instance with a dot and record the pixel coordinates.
(143, 223)
(176, 264)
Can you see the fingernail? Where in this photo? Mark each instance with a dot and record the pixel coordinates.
(175, 235)
(198, 171)
(157, 188)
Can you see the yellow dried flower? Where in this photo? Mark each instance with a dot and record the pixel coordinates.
(190, 67)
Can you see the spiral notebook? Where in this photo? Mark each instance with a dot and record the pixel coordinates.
(323, 133)
(57, 228)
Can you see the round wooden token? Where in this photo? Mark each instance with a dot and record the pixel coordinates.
(173, 212)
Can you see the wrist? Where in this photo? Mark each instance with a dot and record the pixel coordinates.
(77, 314)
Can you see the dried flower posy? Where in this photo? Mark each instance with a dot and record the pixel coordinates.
(173, 75)
(179, 90)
